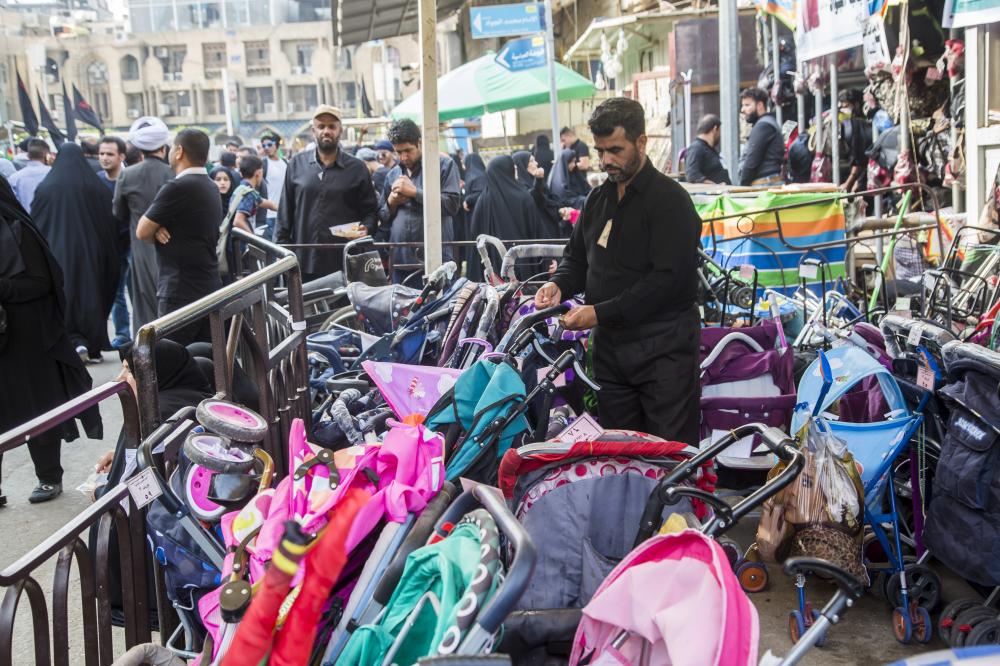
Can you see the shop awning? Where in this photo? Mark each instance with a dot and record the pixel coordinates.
(360, 21)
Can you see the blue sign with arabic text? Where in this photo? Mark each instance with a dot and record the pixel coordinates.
(506, 20)
(520, 54)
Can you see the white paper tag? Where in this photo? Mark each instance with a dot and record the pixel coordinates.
(902, 304)
(913, 339)
(559, 380)
(144, 488)
(925, 378)
(808, 271)
(584, 429)
(746, 271)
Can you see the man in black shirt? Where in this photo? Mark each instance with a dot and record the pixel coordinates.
(702, 163)
(183, 222)
(632, 254)
(325, 188)
(765, 150)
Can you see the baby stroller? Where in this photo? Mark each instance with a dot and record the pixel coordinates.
(453, 594)
(963, 526)
(912, 590)
(560, 493)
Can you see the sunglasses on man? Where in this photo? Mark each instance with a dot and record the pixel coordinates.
(268, 144)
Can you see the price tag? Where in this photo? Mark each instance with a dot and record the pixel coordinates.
(925, 378)
(903, 304)
(559, 381)
(144, 488)
(913, 339)
(746, 272)
(808, 271)
(584, 429)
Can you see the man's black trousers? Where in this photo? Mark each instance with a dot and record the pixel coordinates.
(649, 377)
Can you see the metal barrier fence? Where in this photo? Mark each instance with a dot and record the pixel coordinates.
(268, 338)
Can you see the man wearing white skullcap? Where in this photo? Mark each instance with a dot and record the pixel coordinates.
(137, 186)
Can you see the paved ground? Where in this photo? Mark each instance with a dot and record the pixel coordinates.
(864, 637)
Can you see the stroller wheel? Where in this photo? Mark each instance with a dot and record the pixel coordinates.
(753, 576)
(814, 614)
(232, 420)
(986, 632)
(902, 627)
(197, 484)
(947, 623)
(733, 552)
(796, 626)
(967, 621)
(923, 628)
(217, 454)
(924, 587)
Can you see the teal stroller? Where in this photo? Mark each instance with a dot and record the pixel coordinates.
(913, 589)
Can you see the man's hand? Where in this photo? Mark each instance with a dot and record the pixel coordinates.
(162, 236)
(566, 213)
(405, 187)
(548, 296)
(580, 318)
(358, 232)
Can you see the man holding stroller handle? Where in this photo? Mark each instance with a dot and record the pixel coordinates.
(633, 256)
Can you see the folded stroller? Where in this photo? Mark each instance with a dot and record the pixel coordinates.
(453, 594)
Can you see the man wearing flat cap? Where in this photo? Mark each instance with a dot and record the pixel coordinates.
(328, 198)
(135, 190)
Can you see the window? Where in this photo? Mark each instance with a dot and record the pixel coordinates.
(212, 103)
(51, 70)
(259, 100)
(258, 58)
(175, 103)
(97, 73)
(130, 68)
(172, 60)
(346, 95)
(342, 58)
(199, 14)
(302, 99)
(214, 57)
(300, 55)
(134, 105)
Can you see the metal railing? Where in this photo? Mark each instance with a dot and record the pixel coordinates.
(69, 543)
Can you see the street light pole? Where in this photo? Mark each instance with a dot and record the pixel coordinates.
(550, 53)
(427, 18)
(729, 82)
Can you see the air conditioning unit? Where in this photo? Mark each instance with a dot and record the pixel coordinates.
(185, 111)
(161, 52)
(270, 107)
(307, 70)
(133, 113)
(297, 70)
(165, 110)
(290, 107)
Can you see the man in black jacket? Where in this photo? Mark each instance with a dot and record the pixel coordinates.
(764, 153)
(633, 256)
(702, 163)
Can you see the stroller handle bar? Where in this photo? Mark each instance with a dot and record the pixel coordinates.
(893, 325)
(482, 240)
(518, 575)
(518, 252)
(774, 439)
(956, 351)
(530, 321)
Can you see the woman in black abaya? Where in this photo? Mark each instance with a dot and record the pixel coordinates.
(566, 187)
(504, 210)
(72, 209)
(543, 154)
(531, 177)
(39, 370)
(475, 181)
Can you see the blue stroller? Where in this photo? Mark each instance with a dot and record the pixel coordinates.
(912, 589)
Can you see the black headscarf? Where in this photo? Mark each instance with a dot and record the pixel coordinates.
(72, 210)
(475, 179)
(232, 185)
(505, 210)
(547, 205)
(521, 159)
(543, 153)
(564, 187)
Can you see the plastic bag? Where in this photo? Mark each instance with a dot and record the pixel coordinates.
(833, 464)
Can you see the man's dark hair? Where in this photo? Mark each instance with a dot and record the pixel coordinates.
(566, 130)
(708, 123)
(271, 136)
(132, 155)
(618, 112)
(37, 149)
(119, 143)
(227, 159)
(89, 148)
(249, 165)
(233, 143)
(195, 144)
(756, 94)
(404, 131)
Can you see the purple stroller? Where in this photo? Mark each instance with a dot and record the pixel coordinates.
(746, 377)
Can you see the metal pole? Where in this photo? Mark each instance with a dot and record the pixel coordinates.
(818, 100)
(957, 202)
(550, 55)
(800, 100)
(427, 18)
(834, 121)
(776, 67)
(226, 103)
(879, 244)
(729, 82)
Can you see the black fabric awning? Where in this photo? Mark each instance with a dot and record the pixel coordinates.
(360, 21)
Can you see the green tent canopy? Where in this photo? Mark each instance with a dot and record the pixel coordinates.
(483, 86)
